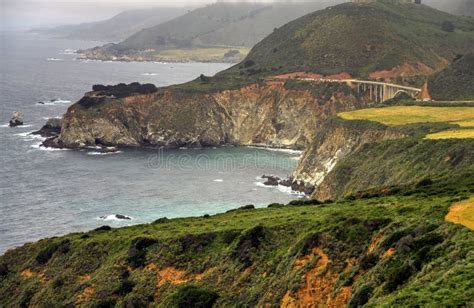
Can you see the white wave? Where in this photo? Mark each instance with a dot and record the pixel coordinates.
(149, 74)
(53, 59)
(54, 102)
(103, 153)
(28, 136)
(5, 125)
(68, 52)
(289, 151)
(296, 157)
(37, 146)
(114, 217)
(218, 180)
(281, 188)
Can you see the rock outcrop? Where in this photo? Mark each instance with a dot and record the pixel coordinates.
(16, 119)
(52, 128)
(256, 114)
(336, 140)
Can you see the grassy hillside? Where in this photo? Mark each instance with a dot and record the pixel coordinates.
(456, 82)
(118, 27)
(396, 250)
(360, 39)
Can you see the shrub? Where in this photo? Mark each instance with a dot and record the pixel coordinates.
(196, 243)
(249, 241)
(192, 297)
(311, 241)
(103, 228)
(125, 287)
(161, 220)
(249, 63)
(397, 275)
(47, 253)
(3, 270)
(136, 255)
(361, 296)
(368, 261)
(447, 26)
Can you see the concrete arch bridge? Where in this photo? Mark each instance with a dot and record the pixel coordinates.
(378, 91)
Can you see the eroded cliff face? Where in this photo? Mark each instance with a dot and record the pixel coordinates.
(264, 114)
(335, 141)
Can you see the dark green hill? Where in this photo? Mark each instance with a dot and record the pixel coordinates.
(456, 82)
(362, 38)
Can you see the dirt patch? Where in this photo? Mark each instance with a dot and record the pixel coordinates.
(172, 275)
(85, 295)
(388, 253)
(462, 213)
(404, 70)
(318, 286)
(84, 278)
(27, 273)
(150, 267)
(375, 242)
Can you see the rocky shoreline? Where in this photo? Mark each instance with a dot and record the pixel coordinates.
(295, 185)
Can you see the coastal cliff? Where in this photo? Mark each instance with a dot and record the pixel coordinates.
(263, 113)
(334, 142)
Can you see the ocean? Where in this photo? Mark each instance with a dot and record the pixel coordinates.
(45, 192)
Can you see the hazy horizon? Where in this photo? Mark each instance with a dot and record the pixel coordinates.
(27, 14)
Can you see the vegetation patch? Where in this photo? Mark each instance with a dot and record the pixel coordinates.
(452, 134)
(403, 115)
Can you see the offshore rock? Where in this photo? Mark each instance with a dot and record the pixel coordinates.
(16, 119)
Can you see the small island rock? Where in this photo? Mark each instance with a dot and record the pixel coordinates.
(16, 120)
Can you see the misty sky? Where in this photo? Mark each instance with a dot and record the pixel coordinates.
(24, 14)
(34, 13)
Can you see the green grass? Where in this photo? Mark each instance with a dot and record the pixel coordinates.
(247, 257)
(452, 134)
(403, 115)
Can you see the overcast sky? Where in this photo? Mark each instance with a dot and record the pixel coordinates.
(33, 13)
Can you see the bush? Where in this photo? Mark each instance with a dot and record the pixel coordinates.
(447, 26)
(311, 241)
(136, 255)
(103, 228)
(368, 261)
(397, 276)
(249, 63)
(249, 241)
(47, 253)
(196, 243)
(361, 296)
(161, 220)
(192, 297)
(3, 270)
